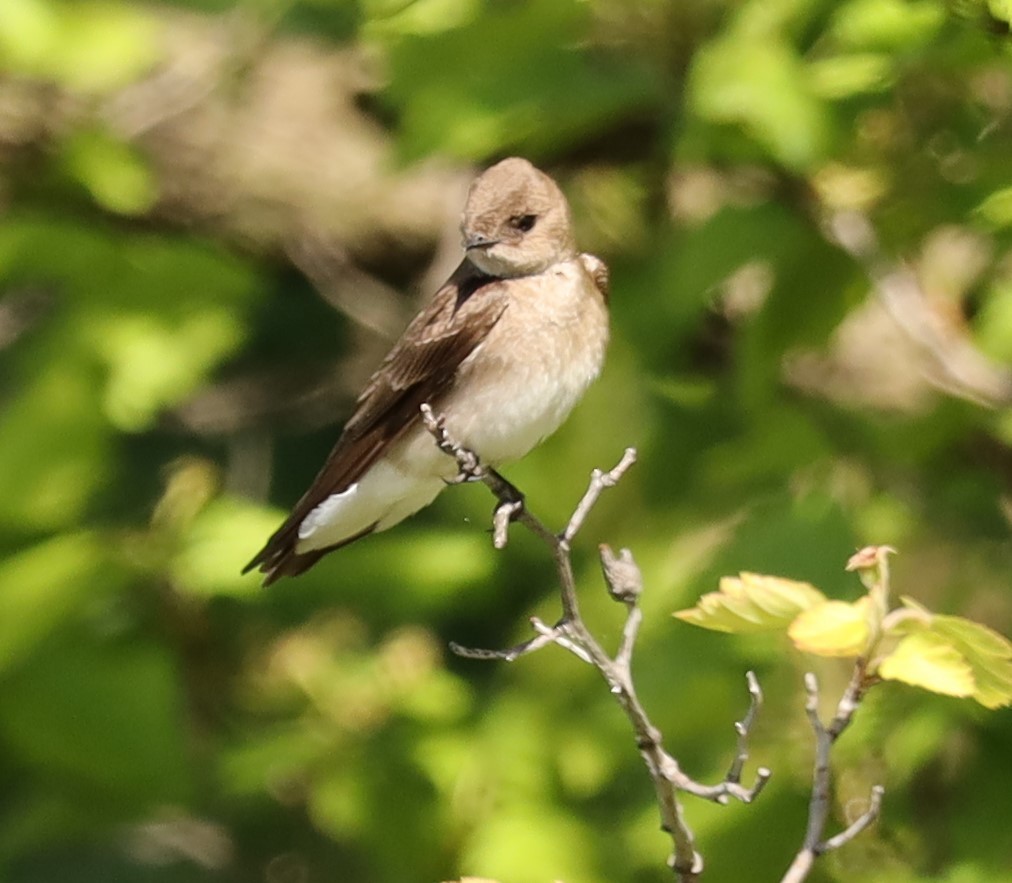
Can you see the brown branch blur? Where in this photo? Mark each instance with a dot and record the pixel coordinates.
(253, 136)
(949, 360)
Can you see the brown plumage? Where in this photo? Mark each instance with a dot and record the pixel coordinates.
(504, 349)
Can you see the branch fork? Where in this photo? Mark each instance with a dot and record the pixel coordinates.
(815, 843)
(624, 583)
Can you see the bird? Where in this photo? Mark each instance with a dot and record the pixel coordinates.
(502, 352)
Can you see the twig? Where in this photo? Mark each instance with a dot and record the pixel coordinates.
(624, 583)
(744, 727)
(859, 824)
(818, 809)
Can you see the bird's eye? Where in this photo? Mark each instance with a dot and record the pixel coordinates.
(524, 223)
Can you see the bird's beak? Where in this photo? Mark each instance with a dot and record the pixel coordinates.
(478, 240)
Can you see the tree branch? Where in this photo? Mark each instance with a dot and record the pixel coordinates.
(818, 809)
(624, 584)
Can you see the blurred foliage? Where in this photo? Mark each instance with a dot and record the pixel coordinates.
(163, 361)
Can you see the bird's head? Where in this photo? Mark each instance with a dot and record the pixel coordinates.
(516, 221)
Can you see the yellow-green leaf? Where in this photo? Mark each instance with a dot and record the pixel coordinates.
(972, 637)
(47, 584)
(986, 652)
(218, 542)
(996, 209)
(834, 628)
(751, 602)
(113, 172)
(731, 82)
(928, 660)
(156, 361)
(845, 75)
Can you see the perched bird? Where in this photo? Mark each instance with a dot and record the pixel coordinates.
(503, 351)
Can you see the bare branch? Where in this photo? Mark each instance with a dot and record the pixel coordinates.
(598, 482)
(624, 582)
(859, 824)
(504, 514)
(818, 809)
(744, 729)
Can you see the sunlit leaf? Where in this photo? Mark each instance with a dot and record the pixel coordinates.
(47, 584)
(1001, 10)
(987, 654)
(29, 34)
(155, 362)
(53, 446)
(834, 628)
(996, 209)
(887, 24)
(761, 85)
(217, 546)
(388, 19)
(113, 172)
(88, 45)
(751, 602)
(972, 636)
(993, 322)
(505, 845)
(106, 45)
(929, 661)
(844, 75)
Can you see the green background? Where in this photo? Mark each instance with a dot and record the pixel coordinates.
(213, 219)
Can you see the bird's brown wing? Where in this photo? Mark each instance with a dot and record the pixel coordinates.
(420, 368)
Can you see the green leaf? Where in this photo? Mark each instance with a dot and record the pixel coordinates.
(104, 719)
(929, 661)
(217, 546)
(53, 446)
(113, 172)
(106, 45)
(888, 24)
(752, 603)
(536, 72)
(834, 628)
(44, 585)
(87, 46)
(29, 33)
(987, 654)
(1001, 10)
(393, 18)
(842, 76)
(993, 322)
(996, 209)
(762, 86)
(155, 362)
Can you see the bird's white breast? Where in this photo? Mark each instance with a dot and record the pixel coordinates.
(512, 391)
(521, 383)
